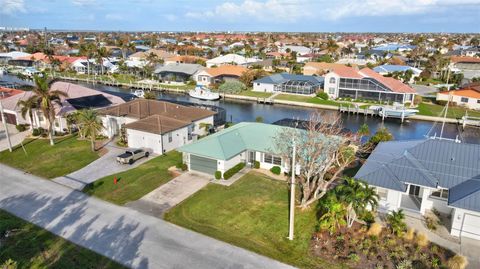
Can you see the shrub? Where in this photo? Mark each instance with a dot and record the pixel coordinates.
(417, 99)
(36, 132)
(441, 102)
(457, 262)
(431, 222)
(182, 166)
(404, 264)
(276, 170)
(232, 171)
(21, 127)
(422, 240)
(353, 257)
(410, 234)
(396, 221)
(322, 95)
(368, 217)
(256, 165)
(232, 87)
(218, 175)
(375, 229)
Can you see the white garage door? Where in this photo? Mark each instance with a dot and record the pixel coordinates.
(471, 226)
(145, 140)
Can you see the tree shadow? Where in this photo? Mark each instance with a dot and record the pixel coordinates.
(68, 217)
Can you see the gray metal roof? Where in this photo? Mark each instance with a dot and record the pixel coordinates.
(431, 163)
(284, 77)
(188, 69)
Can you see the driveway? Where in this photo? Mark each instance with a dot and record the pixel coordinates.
(103, 166)
(15, 137)
(160, 200)
(129, 237)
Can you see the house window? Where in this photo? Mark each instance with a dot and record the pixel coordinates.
(170, 138)
(331, 90)
(332, 80)
(40, 117)
(440, 193)
(382, 193)
(464, 100)
(478, 101)
(268, 158)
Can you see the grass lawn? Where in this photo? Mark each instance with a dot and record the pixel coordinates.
(307, 99)
(255, 94)
(67, 155)
(453, 112)
(33, 247)
(253, 214)
(135, 183)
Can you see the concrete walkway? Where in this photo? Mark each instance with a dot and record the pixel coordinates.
(122, 234)
(103, 166)
(160, 200)
(234, 178)
(15, 137)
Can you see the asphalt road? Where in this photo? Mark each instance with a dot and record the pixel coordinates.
(122, 234)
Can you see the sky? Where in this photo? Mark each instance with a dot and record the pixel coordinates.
(245, 15)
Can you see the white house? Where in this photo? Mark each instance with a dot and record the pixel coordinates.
(388, 69)
(468, 97)
(230, 59)
(245, 142)
(157, 125)
(421, 175)
(289, 83)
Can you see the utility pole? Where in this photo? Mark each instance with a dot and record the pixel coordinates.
(7, 135)
(292, 195)
(446, 107)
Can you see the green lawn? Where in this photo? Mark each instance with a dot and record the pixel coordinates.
(307, 99)
(252, 214)
(436, 111)
(255, 94)
(33, 247)
(67, 155)
(136, 182)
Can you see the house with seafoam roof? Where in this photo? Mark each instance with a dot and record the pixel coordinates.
(422, 175)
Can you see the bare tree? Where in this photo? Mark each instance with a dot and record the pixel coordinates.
(324, 149)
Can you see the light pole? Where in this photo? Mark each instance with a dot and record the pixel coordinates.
(7, 135)
(292, 196)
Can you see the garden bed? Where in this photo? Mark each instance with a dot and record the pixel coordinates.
(359, 250)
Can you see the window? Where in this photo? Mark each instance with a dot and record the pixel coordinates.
(331, 90)
(440, 193)
(464, 100)
(382, 193)
(478, 101)
(268, 158)
(170, 138)
(40, 117)
(332, 80)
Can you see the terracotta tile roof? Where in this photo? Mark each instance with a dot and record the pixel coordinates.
(229, 70)
(142, 108)
(467, 92)
(157, 124)
(39, 56)
(7, 92)
(464, 59)
(393, 84)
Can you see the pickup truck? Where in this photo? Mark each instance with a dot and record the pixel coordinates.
(130, 156)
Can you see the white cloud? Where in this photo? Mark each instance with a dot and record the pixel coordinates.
(83, 2)
(12, 6)
(269, 10)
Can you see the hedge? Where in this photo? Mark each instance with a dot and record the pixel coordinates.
(256, 165)
(218, 175)
(276, 170)
(322, 95)
(232, 171)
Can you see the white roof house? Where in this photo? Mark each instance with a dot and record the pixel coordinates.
(301, 50)
(230, 59)
(15, 54)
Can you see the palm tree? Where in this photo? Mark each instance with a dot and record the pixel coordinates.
(27, 107)
(333, 213)
(396, 221)
(358, 196)
(101, 53)
(45, 99)
(90, 125)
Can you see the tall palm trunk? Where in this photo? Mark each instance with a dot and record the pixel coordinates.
(50, 132)
(92, 142)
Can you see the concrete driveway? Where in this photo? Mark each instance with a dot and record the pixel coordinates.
(15, 137)
(159, 201)
(103, 166)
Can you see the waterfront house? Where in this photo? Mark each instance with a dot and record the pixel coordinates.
(318, 68)
(289, 83)
(389, 69)
(468, 66)
(230, 59)
(468, 96)
(184, 59)
(349, 82)
(423, 175)
(156, 125)
(244, 142)
(217, 75)
(177, 72)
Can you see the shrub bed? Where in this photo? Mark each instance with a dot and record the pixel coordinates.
(232, 171)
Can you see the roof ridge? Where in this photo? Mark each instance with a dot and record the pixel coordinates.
(472, 191)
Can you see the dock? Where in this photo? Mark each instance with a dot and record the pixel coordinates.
(470, 121)
(357, 110)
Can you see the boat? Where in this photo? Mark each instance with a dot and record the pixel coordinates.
(139, 93)
(203, 93)
(395, 111)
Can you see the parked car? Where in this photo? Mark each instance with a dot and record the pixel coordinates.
(131, 155)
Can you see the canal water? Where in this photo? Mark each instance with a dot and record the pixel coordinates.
(238, 111)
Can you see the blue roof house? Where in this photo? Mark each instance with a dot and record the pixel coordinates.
(421, 175)
(289, 83)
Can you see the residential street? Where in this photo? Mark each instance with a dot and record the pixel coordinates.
(122, 234)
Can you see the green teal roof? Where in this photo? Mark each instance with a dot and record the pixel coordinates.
(231, 141)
